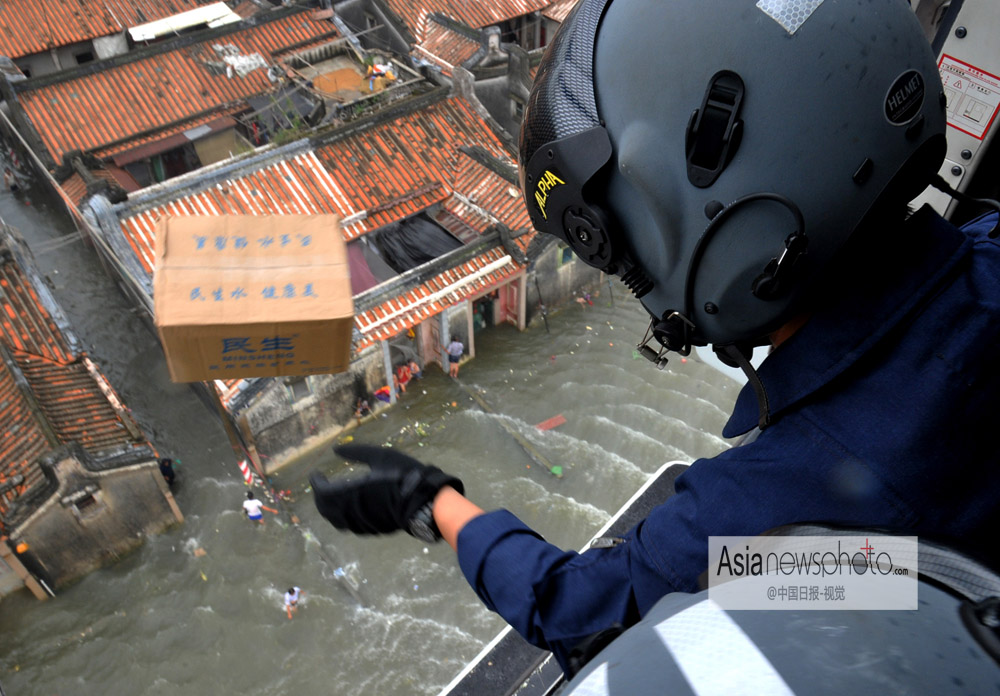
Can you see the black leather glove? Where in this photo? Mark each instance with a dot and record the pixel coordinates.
(397, 494)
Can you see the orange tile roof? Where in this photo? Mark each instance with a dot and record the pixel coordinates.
(159, 90)
(75, 188)
(299, 185)
(405, 165)
(74, 403)
(483, 197)
(246, 8)
(26, 326)
(50, 393)
(24, 439)
(33, 26)
(559, 10)
(413, 306)
(446, 47)
(371, 178)
(475, 13)
(130, 142)
(227, 389)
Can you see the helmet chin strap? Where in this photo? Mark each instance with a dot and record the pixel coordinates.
(736, 355)
(731, 353)
(674, 330)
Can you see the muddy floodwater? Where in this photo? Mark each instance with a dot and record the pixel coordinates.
(198, 610)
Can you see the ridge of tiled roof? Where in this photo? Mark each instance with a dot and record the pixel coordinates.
(33, 26)
(49, 395)
(389, 289)
(161, 87)
(455, 26)
(506, 168)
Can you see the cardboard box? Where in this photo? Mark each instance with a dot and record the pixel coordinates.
(252, 296)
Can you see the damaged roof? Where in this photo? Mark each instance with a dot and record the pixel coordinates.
(51, 393)
(403, 165)
(480, 198)
(400, 165)
(112, 105)
(33, 26)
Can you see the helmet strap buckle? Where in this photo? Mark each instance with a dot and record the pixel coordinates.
(673, 333)
(768, 284)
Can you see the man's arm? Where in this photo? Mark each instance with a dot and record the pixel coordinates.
(452, 511)
(554, 598)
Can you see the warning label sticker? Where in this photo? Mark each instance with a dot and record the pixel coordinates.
(973, 96)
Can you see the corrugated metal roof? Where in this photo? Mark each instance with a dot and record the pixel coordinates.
(164, 92)
(44, 387)
(475, 14)
(33, 26)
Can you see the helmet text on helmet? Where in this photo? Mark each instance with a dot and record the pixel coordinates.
(546, 183)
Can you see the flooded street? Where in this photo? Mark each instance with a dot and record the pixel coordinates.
(198, 610)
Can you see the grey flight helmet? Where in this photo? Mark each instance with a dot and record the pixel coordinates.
(716, 154)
